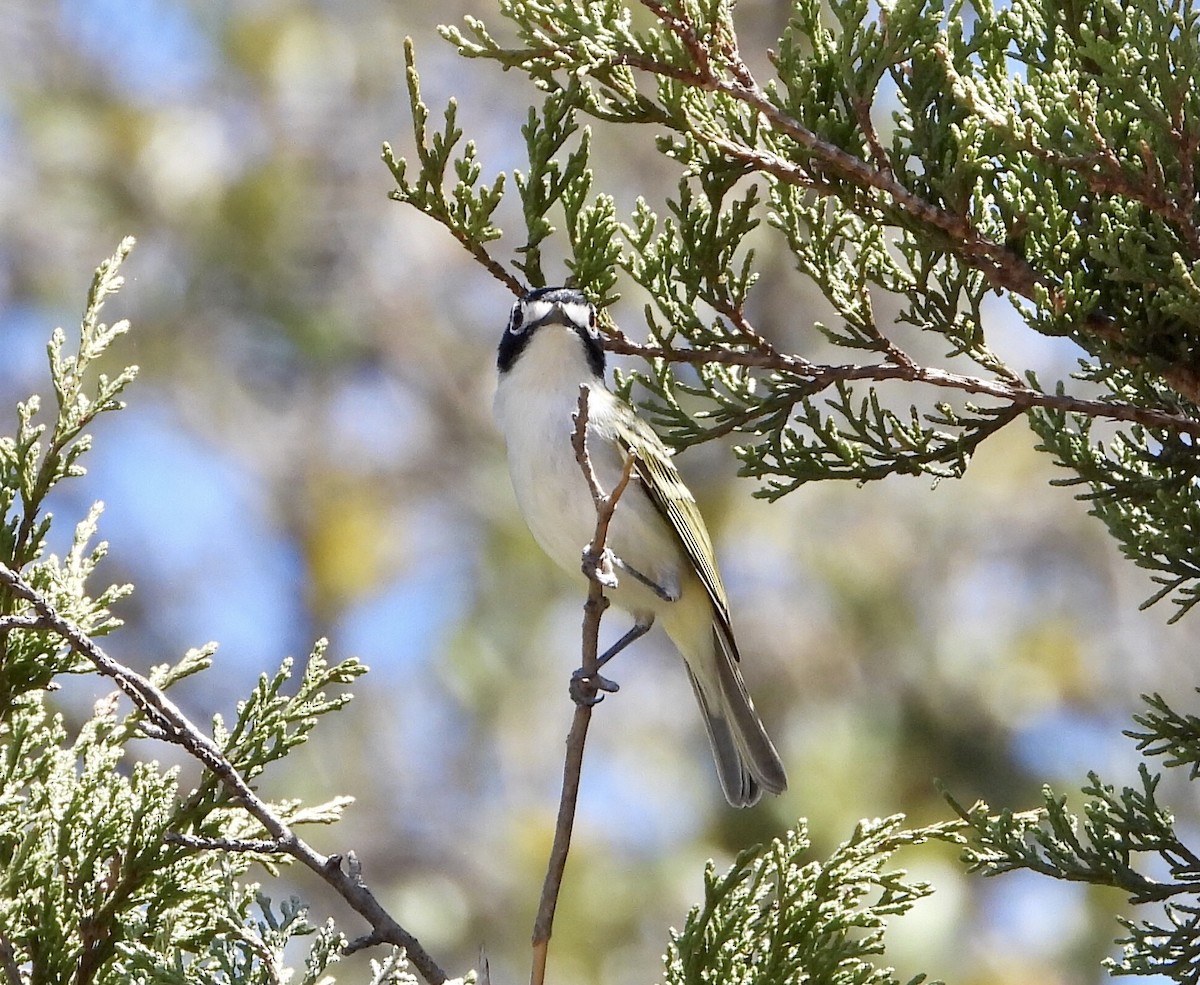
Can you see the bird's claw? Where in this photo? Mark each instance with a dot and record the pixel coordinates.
(585, 689)
(601, 567)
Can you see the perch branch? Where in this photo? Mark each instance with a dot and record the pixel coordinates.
(596, 566)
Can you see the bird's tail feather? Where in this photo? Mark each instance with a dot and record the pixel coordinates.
(747, 762)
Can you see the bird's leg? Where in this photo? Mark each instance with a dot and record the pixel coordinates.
(639, 630)
(584, 687)
(665, 594)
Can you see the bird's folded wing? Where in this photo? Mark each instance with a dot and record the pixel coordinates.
(661, 480)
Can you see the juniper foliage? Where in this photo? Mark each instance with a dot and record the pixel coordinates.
(1044, 151)
(107, 870)
(777, 915)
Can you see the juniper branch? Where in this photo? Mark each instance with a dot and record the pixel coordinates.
(174, 726)
(818, 376)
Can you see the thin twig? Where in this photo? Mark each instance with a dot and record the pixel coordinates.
(266, 956)
(862, 112)
(490, 264)
(174, 726)
(596, 567)
(824, 375)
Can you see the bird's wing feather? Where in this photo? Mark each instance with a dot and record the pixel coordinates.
(661, 481)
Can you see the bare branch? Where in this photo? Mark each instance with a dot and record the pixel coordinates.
(175, 727)
(594, 565)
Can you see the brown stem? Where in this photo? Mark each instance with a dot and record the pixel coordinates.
(593, 609)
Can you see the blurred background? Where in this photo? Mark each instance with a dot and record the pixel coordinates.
(309, 452)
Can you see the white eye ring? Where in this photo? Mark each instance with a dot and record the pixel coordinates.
(516, 320)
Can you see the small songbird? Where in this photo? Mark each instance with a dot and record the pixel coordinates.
(660, 549)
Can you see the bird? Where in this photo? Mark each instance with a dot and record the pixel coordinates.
(658, 544)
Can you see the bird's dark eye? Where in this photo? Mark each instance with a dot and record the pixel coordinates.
(515, 319)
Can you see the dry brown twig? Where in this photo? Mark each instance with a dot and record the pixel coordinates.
(598, 568)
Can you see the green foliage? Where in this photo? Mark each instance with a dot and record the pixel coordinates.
(1137, 481)
(1047, 151)
(34, 462)
(1068, 182)
(1170, 734)
(467, 212)
(106, 871)
(776, 917)
(92, 888)
(1124, 839)
(1102, 848)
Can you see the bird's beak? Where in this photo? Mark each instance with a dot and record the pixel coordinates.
(557, 315)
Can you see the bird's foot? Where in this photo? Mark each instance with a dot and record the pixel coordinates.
(585, 689)
(601, 567)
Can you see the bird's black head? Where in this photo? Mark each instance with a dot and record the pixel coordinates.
(551, 306)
